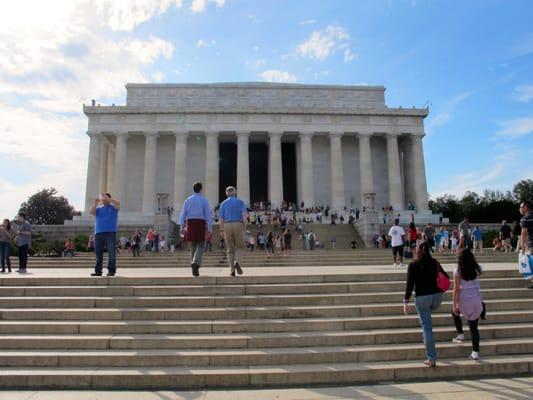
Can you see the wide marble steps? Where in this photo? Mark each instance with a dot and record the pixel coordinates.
(262, 331)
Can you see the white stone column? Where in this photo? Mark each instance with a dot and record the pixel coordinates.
(180, 171)
(110, 168)
(337, 175)
(150, 164)
(394, 172)
(93, 171)
(365, 165)
(103, 166)
(419, 173)
(306, 169)
(211, 168)
(275, 169)
(121, 158)
(243, 167)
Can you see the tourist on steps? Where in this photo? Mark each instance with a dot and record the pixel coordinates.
(6, 235)
(422, 277)
(526, 236)
(105, 210)
(467, 299)
(232, 216)
(22, 240)
(195, 220)
(397, 235)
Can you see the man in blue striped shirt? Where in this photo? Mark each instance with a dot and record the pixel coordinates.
(232, 216)
(195, 221)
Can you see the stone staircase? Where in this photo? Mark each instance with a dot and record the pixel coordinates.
(156, 331)
(255, 259)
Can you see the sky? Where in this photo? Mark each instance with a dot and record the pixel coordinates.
(470, 61)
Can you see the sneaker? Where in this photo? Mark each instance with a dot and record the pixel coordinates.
(238, 268)
(96, 274)
(195, 269)
(459, 338)
(474, 356)
(394, 265)
(111, 274)
(430, 363)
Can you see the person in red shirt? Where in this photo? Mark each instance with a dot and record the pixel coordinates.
(69, 248)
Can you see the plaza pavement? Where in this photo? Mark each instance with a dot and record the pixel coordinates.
(487, 389)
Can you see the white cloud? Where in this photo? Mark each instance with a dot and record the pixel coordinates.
(255, 48)
(124, 15)
(201, 43)
(523, 93)
(198, 5)
(476, 181)
(322, 44)
(515, 128)
(49, 61)
(308, 22)
(158, 76)
(348, 55)
(273, 75)
(445, 113)
(56, 144)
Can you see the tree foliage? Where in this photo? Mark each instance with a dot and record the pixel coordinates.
(46, 207)
(492, 206)
(523, 190)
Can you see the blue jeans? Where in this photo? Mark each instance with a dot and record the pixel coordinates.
(425, 306)
(5, 249)
(105, 240)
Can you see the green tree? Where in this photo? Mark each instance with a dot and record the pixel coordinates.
(523, 190)
(46, 207)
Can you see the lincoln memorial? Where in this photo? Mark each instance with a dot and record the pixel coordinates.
(313, 144)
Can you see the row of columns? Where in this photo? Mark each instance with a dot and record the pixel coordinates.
(103, 174)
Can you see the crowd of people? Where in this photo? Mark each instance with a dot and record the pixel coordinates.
(443, 240)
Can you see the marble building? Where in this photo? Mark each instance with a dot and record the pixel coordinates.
(316, 144)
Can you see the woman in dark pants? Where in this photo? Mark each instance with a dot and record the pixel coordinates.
(422, 277)
(467, 299)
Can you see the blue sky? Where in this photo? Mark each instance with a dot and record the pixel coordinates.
(472, 61)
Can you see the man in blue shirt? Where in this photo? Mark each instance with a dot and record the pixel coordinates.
(232, 216)
(477, 238)
(195, 222)
(105, 209)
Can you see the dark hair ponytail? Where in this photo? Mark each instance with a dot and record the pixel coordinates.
(468, 267)
(424, 254)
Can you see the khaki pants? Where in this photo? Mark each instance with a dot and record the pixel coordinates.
(478, 245)
(234, 235)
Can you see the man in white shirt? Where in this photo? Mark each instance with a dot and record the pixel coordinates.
(396, 233)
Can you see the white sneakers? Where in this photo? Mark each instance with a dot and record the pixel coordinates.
(474, 356)
(459, 338)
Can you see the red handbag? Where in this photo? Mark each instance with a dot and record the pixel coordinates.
(443, 282)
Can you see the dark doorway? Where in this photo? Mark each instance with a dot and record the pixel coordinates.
(288, 161)
(227, 164)
(258, 172)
